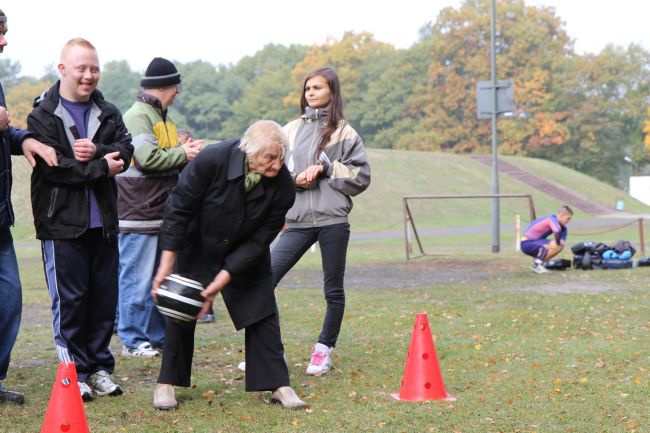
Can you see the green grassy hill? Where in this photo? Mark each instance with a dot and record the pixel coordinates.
(397, 173)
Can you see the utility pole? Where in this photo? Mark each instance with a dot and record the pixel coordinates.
(495, 168)
(492, 98)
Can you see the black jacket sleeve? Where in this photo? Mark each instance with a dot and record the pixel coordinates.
(70, 171)
(121, 143)
(185, 202)
(251, 250)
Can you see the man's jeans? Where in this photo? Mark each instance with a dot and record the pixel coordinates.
(11, 300)
(139, 320)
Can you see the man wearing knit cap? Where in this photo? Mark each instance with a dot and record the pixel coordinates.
(13, 141)
(143, 190)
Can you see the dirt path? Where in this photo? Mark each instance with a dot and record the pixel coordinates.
(413, 275)
(406, 275)
(423, 273)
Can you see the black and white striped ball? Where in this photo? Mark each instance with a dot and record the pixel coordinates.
(180, 298)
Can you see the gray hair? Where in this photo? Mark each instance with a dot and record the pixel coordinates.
(262, 134)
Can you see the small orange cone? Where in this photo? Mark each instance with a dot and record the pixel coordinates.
(422, 379)
(65, 412)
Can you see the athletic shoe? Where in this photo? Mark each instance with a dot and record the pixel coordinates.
(321, 362)
(86, 391)
(11, 396)
(144, 349)
(538, 267)
(207, 318)
(102, 383)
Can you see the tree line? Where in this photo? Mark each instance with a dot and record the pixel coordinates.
(586, 111)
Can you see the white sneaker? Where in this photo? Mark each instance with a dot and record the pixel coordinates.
(320, 362)
(86, 391)
(538, 266)
(207, 318)
(144, 349)
(102, 384)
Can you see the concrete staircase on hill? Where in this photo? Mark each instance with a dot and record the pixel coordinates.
(549, 188)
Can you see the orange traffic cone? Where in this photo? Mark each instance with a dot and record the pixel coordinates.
(65, 412)
(422, 379)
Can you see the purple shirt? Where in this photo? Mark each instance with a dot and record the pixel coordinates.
(542, 227)
(80, 112)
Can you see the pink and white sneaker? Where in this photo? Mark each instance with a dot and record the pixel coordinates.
(321, 362)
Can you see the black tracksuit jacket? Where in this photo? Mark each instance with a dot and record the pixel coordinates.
(60, 195)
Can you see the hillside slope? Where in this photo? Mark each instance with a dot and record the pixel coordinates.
(397, 173)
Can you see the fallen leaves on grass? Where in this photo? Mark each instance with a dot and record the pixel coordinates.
(208, 395)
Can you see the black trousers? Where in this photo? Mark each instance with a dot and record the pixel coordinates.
(266, 369)
(333, 242)
(81, 277)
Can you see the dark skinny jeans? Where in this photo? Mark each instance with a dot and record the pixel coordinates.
(333, 242)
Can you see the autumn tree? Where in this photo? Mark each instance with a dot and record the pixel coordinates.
(119, 84)
(531, 46)
(358, 59)
(9, 72)
(20, 99)
(646, 131)
(383, 118)
(604, 96)
(207, 94)
(267, 75)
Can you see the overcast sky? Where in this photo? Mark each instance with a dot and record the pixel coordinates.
(224, 32)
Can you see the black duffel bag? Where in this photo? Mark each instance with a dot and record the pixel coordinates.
(557, 264)
(616, 264)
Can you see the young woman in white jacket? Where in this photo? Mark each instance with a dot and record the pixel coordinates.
(329, 165)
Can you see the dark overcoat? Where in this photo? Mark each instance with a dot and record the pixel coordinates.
(213, 224)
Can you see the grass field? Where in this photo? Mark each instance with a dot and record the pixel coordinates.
(561, 352)
(397, 173)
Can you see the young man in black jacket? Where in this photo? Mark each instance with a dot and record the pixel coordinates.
(75, 213)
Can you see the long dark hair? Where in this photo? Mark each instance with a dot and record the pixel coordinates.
(335, 107)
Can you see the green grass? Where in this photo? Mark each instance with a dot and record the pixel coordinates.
(522, 352)
(398, 173)
(566, 351)
(586, 186)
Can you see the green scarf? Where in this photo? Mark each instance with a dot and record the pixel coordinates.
(250, 179)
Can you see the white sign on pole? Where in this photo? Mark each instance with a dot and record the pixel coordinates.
(640, 188)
